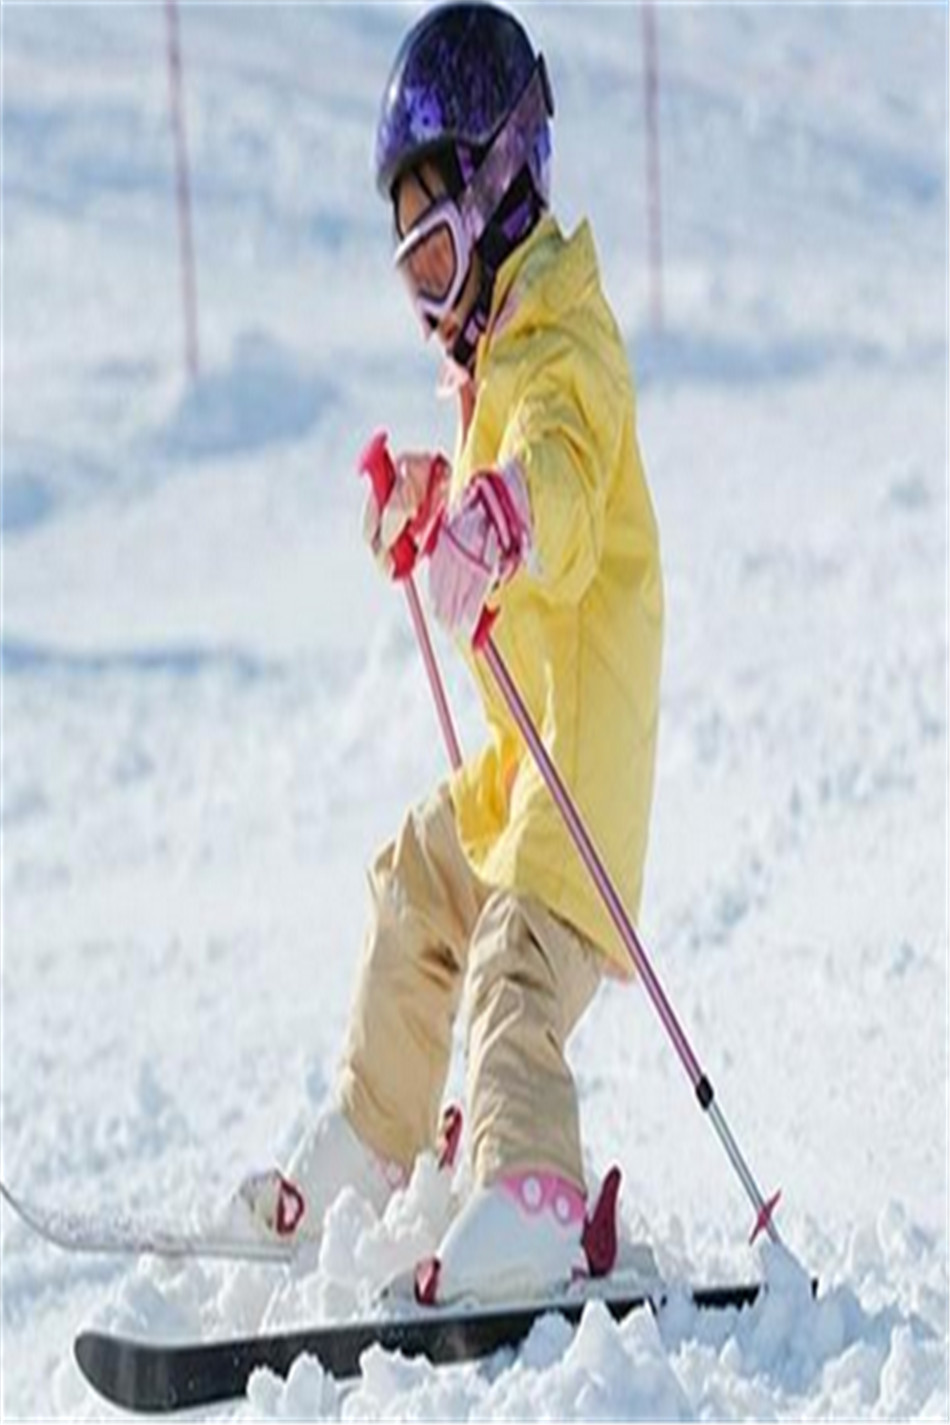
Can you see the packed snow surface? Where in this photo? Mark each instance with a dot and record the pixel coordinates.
(213, 710)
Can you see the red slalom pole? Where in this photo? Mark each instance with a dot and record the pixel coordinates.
(183, 189)
(651, 94)
(486, 646)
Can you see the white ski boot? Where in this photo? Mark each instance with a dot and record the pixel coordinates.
(526, 1235)
(328, 1159)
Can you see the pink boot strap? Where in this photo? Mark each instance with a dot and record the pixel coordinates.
(537, 1192)
(426, 1281)
(450, 1136)
(291, 1207)
(599, 1238)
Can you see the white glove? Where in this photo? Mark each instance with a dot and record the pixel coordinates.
(413, 506)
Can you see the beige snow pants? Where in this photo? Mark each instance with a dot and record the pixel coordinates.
(435, 927)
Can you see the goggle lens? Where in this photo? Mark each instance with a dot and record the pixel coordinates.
(433, 257)
(430, 266)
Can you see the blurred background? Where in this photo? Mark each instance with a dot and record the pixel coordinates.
(213, 711)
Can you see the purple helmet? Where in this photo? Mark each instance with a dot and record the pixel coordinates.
(459, 75)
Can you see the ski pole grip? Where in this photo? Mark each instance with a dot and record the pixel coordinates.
(376, 464)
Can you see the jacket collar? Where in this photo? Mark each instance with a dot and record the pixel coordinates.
(542, 278)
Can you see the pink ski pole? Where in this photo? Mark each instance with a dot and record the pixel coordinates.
(485, 645)
(376, 463)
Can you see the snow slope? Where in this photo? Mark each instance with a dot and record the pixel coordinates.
(213, 710)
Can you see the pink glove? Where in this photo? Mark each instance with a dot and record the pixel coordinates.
(414, 504)
(479, 546)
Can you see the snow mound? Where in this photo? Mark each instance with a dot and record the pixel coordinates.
(790, 1355)
(851, 1348)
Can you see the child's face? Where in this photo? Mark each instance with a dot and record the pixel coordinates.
(432, 263)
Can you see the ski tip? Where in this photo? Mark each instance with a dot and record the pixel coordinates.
(87, 1346)
(9, 1198)
(125, 1372)
(92, 1360)
(82, 1348)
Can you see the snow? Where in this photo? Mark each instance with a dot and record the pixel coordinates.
(213, 710)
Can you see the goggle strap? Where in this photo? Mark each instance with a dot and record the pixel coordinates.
(507, 155)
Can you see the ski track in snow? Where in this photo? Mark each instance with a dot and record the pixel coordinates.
(213, 710)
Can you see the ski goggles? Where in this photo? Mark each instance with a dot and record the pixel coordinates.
(434, 258)
(435, 255)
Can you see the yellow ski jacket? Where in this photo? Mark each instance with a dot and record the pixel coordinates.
(581, 627)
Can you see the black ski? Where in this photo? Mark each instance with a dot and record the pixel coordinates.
(149, 1377)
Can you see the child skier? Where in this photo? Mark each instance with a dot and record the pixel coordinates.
(544, 514)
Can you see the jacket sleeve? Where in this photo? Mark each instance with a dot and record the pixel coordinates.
(556, 432)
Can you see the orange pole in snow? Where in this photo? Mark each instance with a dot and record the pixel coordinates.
(185, 242)
(651, 93)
